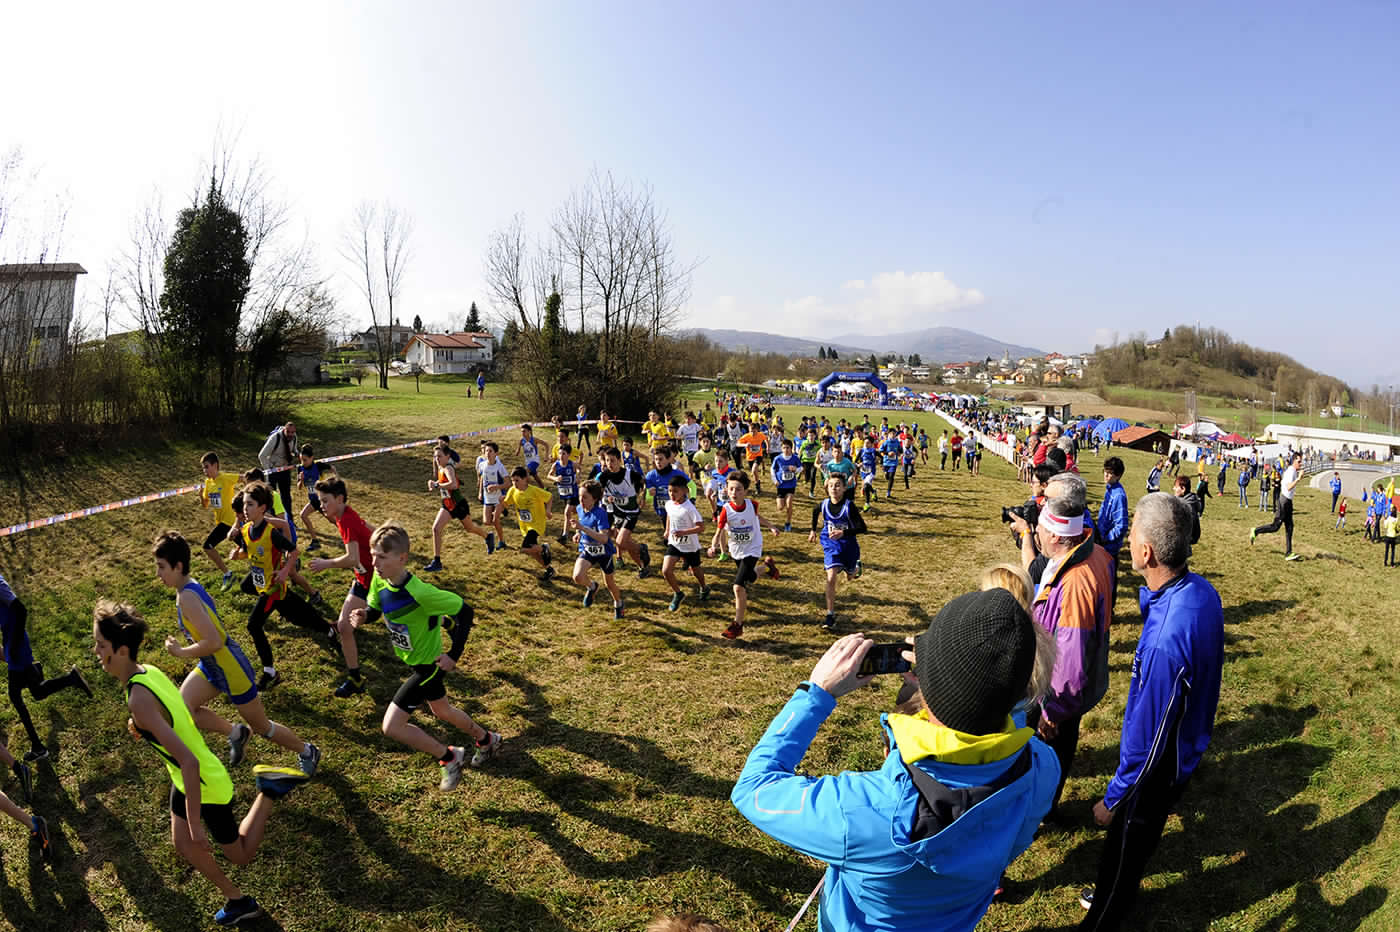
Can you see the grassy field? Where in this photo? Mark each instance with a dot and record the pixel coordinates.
(610, 804)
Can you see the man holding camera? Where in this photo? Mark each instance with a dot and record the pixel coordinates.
(922, 842)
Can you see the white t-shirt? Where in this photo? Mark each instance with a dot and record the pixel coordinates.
(690, 437)
(683, 515)
(744, 533)
(1289, 475)
(942, 444)
(491, 474)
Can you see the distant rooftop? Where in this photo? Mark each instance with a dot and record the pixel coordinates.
(45, 269)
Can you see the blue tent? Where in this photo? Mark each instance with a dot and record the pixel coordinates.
(1087, 423)
(1108, 427)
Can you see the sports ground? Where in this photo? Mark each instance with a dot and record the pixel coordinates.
(609, 804)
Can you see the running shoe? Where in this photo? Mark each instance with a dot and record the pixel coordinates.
(1086, 898)
(787, 528)
(646, 560)
(617, 611)
(236, 911)
(268, 680)
(829, 622)
(349, 687)
(491, 543)
(237, 742)
(79, 682)
(433, 566)
(563, 538)
(490, 749)
(676, 600)
(1294, 556)
(309, 759)
(318, 602)
(589, 593)
(313, 545)
(1253, 534)
(452, 770)
(859, 570)
(502, 545)
(733, 631)
(704, 593)
(39, 838)
(276, 782)
(772, 568)
(723, 556)
(26, 779)
(36, 753)
(548, 573)
(227, 584)
(544, 552)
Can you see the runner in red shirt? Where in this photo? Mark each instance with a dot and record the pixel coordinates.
(355, 533)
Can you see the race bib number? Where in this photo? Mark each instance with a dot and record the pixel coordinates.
(399, 637)
(524, 516)
(741, 537)
(789, 472)
(593, 549)
(609, 499)
(259, 578)
(216, 500)
(566, 491)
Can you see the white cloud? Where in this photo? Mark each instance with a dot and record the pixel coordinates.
(888, 302)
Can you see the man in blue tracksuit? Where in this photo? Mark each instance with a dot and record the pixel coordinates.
(1172, 696)
(1112, 520)
(920, 843)
(1336, 486)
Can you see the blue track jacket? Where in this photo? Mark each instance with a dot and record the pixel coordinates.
(879, 878)
(1112, 521)
(1175, 685)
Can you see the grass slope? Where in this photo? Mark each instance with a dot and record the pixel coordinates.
(610, 802)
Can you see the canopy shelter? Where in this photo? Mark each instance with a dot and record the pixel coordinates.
(1202, 429)
(1235, 440)
(1108, 427)
(1085, 423)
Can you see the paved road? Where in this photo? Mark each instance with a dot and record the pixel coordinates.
(1355, 478)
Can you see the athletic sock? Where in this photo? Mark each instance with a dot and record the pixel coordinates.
(353, 673)
(485, 739)
(448, 758)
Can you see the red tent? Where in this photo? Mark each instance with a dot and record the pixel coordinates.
(1235, 440)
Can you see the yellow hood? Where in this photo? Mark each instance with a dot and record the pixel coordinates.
(917, 738)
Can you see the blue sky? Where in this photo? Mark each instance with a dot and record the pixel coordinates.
(1049, 174)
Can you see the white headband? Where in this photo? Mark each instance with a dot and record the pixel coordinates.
(1061, 527)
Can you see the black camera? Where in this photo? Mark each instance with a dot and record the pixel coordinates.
(1029, 513)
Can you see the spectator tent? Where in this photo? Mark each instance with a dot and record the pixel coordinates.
(1108, 427)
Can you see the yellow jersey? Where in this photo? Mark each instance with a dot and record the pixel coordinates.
(607, 434)
(529, 507)
(264, 556)
(218, 495)
(658, 433)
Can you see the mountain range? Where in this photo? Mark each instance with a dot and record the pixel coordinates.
(935, 344)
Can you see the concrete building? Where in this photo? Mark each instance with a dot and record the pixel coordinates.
(399, 338)
(1342, 442)
(36, 306)
(442, 353)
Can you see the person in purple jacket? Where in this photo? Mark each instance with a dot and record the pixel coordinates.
(1172, 698)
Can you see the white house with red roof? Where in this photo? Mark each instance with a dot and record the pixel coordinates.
(443, 353)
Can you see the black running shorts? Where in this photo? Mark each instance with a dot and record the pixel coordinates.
(218, 818)
(425, 684)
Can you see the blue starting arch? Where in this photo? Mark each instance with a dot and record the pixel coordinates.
(869, 377)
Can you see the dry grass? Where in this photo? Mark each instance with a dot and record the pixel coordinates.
(610, 802)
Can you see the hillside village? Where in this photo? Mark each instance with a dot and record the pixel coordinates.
(1050, 369)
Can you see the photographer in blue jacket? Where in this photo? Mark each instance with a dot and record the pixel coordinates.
(920, 843)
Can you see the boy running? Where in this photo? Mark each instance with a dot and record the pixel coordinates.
(201, 793)
(220, 665)
(808, 448)
(530, 452)
(272, 557)
(563, 474)
(786, 468)
(25, 672)
(868, 462)
(492, 479)
(659, 478)
(688, 434)
(839, 523)
(755, 444)
(738, 521)
(309, 472)
(532, 512)
(621, 487)
(415, 613)
(454, 506)
(890, 453)
(909, 455)
(593, 527)
(683, 523)
(219, 489)
(354, 533)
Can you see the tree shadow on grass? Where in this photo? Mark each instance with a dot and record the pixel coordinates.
(1237, 810)
(1255, 608)
(769, 880)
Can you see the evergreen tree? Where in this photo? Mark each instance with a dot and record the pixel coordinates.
(473, 319)
(417, 324)
(821, 352)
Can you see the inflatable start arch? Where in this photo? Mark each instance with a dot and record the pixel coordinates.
(869, 377)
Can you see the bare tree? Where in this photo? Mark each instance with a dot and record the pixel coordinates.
(375, 245)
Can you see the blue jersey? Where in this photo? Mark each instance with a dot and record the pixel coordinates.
(567, 476)
(16, 640)
(595, 520)
(530, 449)
(837, 518)
(630, 461)
(869, 459)
(309, 477)
(786, 469)
(910, 454)
(892, 451)
(658, 483)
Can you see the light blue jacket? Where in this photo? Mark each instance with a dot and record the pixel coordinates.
(1112, 521)
(878, 877)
